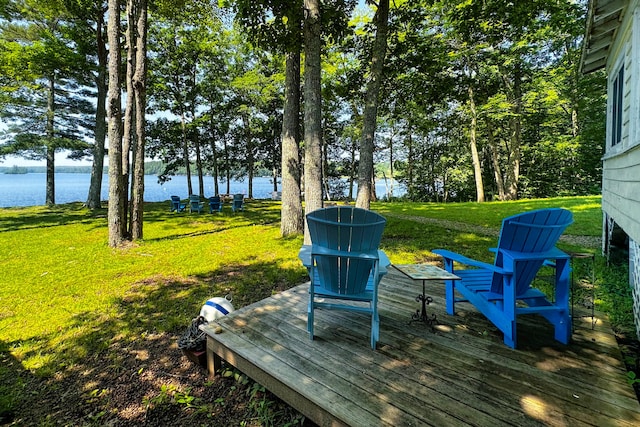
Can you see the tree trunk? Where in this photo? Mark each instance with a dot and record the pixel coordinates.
(185, 152)
(97, 166)
(325, 167)
(51, 146)
(139, 87)
(410, 163)
(114, 114)
(227, 164)
(291, 211)
(365, 170)
(312, 111)
(495, 161)
(353, 149)
(250, 154)
(128, 133)
(477, 169)
(196, 139)
(390, 186)
(214, 152)
(196, 144)
(515, 124)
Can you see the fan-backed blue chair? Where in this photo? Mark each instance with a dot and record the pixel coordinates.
(502, 290)
(237, 204)
(177, 205)
(195, 204)
(215, 204)
(344, 262)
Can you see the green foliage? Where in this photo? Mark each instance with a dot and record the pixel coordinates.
(45, 105)
(632, 378)
(518, 60)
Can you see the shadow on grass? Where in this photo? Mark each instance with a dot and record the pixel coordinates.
(123, 367)
(256, 211)
(44, 217)
(11, 375)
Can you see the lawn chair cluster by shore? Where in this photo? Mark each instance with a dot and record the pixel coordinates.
(216, 203)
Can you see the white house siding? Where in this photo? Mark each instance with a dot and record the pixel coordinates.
(620, 191)
(634, 278)
(621, 163)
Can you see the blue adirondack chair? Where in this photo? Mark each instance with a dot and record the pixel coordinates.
(195, 204)
(502, 290)
(215, 204)
(344, 262)
(177, 205)
(238, 202)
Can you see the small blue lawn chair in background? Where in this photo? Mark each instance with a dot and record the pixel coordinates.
(344, 262)
(215, 204)
(237, 204)
(195, 204)
(177, 205)
(502, 290)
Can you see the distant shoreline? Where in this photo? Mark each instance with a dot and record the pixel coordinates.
(11, 170)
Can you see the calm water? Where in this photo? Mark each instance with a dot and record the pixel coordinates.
(29, 189)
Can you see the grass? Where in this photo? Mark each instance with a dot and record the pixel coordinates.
(67, 296)
(586, 211)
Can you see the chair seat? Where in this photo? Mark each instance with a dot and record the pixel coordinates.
(479, 280)
(320, 291)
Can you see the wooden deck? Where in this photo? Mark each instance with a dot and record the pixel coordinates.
(460, 374)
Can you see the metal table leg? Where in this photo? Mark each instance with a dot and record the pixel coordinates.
(421, 314)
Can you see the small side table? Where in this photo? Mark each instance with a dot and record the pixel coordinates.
(424, 272)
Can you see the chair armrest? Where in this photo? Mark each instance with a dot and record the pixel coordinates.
(383, 263)
(304, 255)
(468, 261)
(305, 252)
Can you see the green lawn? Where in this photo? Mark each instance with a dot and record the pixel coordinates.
(66, 295)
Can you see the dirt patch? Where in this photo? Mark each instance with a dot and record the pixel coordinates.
(148, 382)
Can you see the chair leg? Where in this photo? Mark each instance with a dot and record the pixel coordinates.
(375, 329)
(310, 319)
(563, 329)
(450, 297)
(510, 335)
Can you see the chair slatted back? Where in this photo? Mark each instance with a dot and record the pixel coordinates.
(530, 232)
(238, 200)
(345, 246)
(194, 200)
(214, 203)
(175, 203)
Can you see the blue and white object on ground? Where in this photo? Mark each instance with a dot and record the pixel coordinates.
(215, 308)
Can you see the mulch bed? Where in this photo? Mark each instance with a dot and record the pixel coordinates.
(149, 382)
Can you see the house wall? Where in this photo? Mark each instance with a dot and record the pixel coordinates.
(621, 162)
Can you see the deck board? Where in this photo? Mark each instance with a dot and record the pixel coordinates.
(459, 374)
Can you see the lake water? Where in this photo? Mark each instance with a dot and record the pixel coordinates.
(29, 189)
